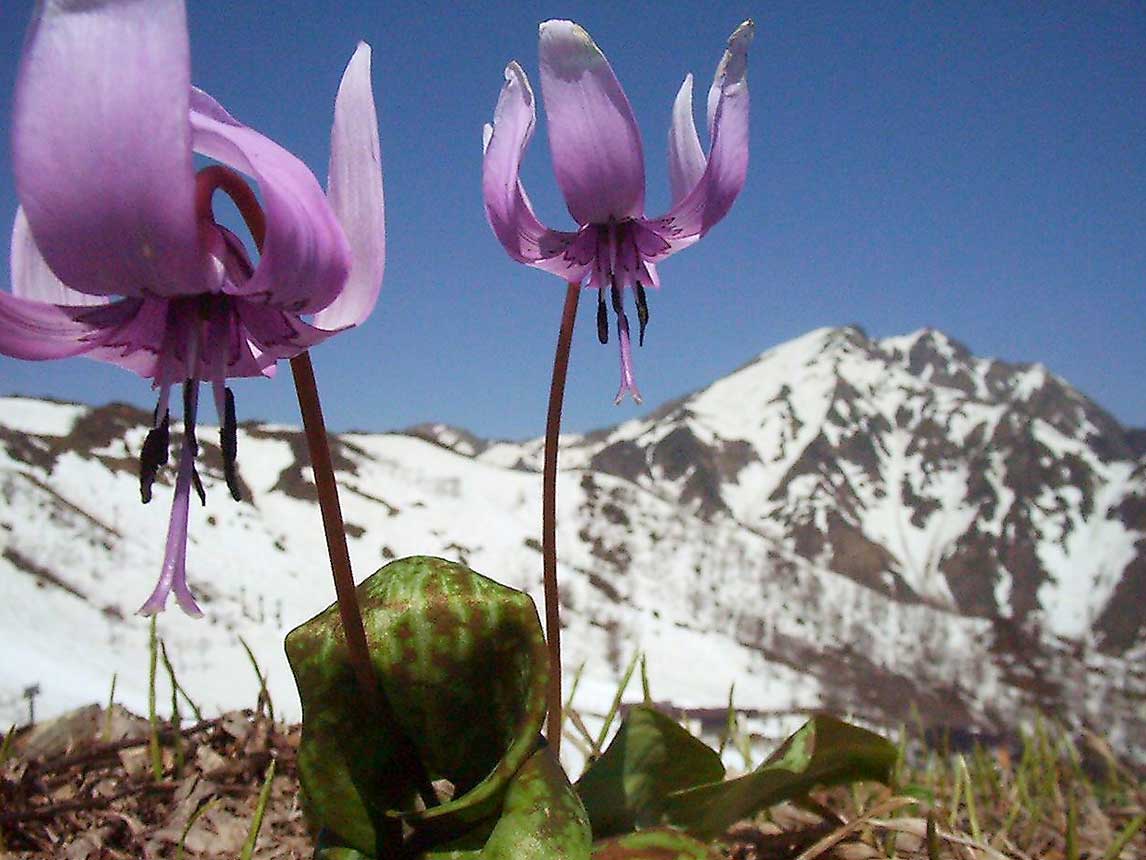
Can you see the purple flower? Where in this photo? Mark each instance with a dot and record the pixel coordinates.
(598, 159)
(115, 251)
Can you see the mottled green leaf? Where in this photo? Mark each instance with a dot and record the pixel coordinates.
(340, 854)
(825, 751)
(650, 757)
(461, 660)
(659, 843)
(542, 819)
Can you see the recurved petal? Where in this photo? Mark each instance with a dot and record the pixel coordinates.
(37, 330)
(507, 207)
(306, 258)
(723, 177)
(593, 135)
(686, 159)
(354, 190)
(101, 147)
(31, 277)
(276, 334)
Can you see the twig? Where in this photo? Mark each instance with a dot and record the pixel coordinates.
(841, 833)
(54, 809)
(110, 749)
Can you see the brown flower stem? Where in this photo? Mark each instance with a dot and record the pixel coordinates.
(549, 515)
(348, 609)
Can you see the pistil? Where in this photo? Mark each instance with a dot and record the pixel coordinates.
(628, 381)
(173, 578)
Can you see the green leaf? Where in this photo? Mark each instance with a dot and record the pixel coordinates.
(825, 751)
(461, 660)
(661, 843)
(340, 854)
(650, 757)
(542, 819)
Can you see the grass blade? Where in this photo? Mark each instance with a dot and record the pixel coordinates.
(264, 693)
(152, 715)
(932, 837)
(645, 682)
(191, 819)
(1072, 829)
(1124, 838)
(965, 775)
(616, 706)
(572, 692)
(176, 717)
(260, 810)
(6, 747)
(107, 712)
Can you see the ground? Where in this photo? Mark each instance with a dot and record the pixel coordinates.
(86, 788)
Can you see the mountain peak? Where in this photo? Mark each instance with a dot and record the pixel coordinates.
(863, 522)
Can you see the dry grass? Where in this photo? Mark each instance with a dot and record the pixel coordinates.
(84, 789)
(1045, 797)
(102, 784)
(76, 791)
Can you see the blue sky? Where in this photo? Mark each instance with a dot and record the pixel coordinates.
(979, 168)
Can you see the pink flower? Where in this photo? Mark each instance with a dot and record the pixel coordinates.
(115, 251)
(598, 159)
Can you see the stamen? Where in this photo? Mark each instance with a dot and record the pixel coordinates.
(190, 443)
(155, 453)
(615, 292)
(602, 317)
(229, 441)
(642, 312)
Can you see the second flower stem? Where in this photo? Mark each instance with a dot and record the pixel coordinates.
(549, 515)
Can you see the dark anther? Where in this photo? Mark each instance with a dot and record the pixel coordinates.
(618, 305)
(642, 312)
(189, 437)
(154, 455)
(189, 416)
(229, 441)
(602, 318)
(197, 483)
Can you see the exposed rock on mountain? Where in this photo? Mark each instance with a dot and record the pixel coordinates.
(862, 524)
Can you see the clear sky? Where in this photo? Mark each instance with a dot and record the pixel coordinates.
(979, 168)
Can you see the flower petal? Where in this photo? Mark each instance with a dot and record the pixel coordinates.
(37, 330)
(712, 196)
(507, 207)
(354, 189)
(31, 277)
(305, 259)
(101, 147)
(593, 135)
(686, 159)
(276, 334)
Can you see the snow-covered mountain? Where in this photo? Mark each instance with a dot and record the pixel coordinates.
(869, 525)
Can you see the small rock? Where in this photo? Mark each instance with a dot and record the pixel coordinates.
(136, 761)
(236, 724)
(210, 762)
